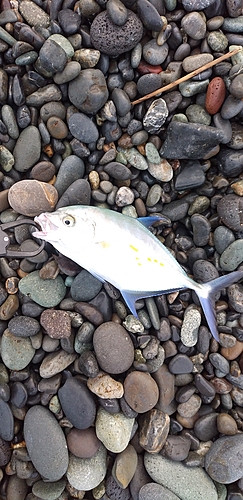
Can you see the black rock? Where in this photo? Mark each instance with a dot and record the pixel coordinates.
(191, 176)
(77, 403)
(189, 140)
(112, 39)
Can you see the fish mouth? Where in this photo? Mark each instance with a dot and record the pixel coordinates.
(47, 226)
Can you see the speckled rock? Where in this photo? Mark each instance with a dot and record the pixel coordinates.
(16, 352)
(46, 443)
(229, 210)
(188, 483)
(112, 39)
(113, 348)
(105, 386)
(218, 461)
(47, 293)
(87, 473)
(83, 443)
(49, 491)
(140, 391)
(113, 430)
(21, 194)
(154, 491)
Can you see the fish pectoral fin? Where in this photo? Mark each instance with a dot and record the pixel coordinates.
(149, 221)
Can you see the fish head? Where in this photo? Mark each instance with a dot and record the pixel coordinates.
(68, 229)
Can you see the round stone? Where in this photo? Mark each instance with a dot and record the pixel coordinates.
(83, 128)
(112, 39)
(194, 25)
(85, 286)
(23, 326)
(22, 193)
(57, 128)
(114, 430)
(48, 491)
(218, 461)
(88, 92)
(87, 473)
(113, 348)
(226, 424)
(43, 171)
(16, 352)
(229, 210)
(46, 443)
(83, 443)
(77, 403)
(47, 293)
(140, 391)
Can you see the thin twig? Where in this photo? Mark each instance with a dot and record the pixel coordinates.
(188, 76)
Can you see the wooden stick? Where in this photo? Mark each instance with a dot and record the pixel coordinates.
(188, 76)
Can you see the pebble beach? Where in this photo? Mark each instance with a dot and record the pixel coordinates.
(96, 404)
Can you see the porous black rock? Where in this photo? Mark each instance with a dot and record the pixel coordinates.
(112, 39)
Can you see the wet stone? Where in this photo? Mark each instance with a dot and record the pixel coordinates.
(180, 364)
(155, 54)
(77, 403)
(113, 430)
(205, 427)
(223, 237)
(23, 326)
(57, 324)
(194, 25)
(49, 490)
(154, 491)
(34, 15)
(177, 448)
(140, 391)
(46, 443)
(52, 57)
(112, 39)
(113, 348)
(176, 144)
(229, 210)
(7, 422)
(191, 176)
(185, 482)
(47, 293)
(87, 473)
(83, 128)
(154, 430)
(83, 443)
(85, 286)
(218, 461)
(55, 362)
(16, 352)
(117, 12)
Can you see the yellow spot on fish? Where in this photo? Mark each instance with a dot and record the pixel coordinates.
(133, 248)
(139, 264)
(150, 260)
(104, 244)
(155, 260)
(136, 258)
(161, 264)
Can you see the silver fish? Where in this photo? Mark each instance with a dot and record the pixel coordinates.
(122, 251)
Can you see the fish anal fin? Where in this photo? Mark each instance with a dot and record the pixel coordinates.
(130, 297)
(149, 221)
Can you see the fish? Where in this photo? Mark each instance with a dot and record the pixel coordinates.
(121, 250)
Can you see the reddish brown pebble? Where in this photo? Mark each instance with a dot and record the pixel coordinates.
(11, 285)
(232, 353)
(221, 385)
(140, 391)
(215, 95)
(57, 128)
(9, 307)
(226, 424)
(145, 68)
(90, 312)
(83, 443)
(57, 324)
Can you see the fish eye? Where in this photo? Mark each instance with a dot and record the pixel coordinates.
(68, 220)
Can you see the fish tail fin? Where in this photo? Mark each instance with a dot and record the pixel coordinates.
(206, 294)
